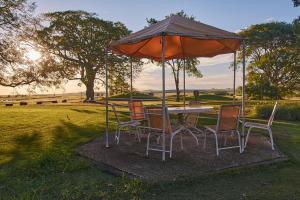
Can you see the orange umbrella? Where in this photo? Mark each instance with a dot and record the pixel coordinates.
(184, 38)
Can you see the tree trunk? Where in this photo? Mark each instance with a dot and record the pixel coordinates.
(90, 94)
(177, 91)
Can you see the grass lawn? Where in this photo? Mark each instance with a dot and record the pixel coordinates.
(38, 161)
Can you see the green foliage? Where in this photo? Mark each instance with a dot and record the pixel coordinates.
(274, 60)
(75, 43)
(15, 69)
(296, 29)
(296, 3)
(290, 112)
(221, 93)
(261, 90)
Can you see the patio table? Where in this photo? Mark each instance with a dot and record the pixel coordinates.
(180, 111)
(188, 109)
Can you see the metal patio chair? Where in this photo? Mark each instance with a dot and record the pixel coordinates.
(191, 119)
(228, 122)
(191, 122)
(123, 125)
(155, 125)
(137, 110)
(268, 126)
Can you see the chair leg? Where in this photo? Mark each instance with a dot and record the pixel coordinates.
(188, 130)
(198, 130)
(271, 137)
(158, 139)
(116, 134)
(247, 137)
(217, 145)
(119, 133)
(171, 145)
(148, 141)
(240, 143)
(138, 134)
(225, 140)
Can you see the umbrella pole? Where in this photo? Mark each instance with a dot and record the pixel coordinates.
(243, 91)
(131, 79)
(234, 75)
(106, 100)
(183, 82)
(163, 98)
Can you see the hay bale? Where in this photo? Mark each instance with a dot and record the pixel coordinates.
(23, 103)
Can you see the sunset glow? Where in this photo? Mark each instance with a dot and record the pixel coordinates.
(33, 55)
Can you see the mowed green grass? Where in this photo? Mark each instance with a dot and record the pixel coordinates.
(38, 161)
(37, 153)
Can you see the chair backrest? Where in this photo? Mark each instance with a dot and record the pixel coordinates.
(136, 109)
(228, 119)
(115, 112)
(155, 118)
(271, 119)
(194, 103)
(192, 119)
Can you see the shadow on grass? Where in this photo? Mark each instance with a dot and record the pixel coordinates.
(65, 137)
(24, 146)
(56, 172)
(84, 111)
(70, 135)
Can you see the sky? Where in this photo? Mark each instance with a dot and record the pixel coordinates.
(230, 15)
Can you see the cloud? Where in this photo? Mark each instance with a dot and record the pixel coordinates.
(216, 76)
(220, 59)
(270, 19)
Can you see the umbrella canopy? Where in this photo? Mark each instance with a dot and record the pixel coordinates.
(184, 38)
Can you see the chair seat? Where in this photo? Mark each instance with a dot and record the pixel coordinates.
(256, 125)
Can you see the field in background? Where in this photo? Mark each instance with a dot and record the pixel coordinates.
(38, 159)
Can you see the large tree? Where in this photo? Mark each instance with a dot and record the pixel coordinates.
(178, 64)
(296, 2)
(296, 29)
(15, 68)
(76, 42)
(273, 58)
